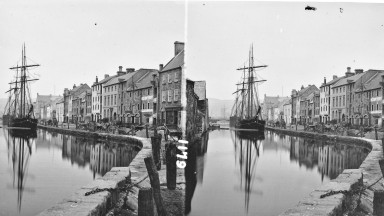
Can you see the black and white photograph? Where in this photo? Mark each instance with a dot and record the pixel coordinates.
(187, 107)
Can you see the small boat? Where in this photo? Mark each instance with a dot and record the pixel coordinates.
(246, 111)
(18, 113)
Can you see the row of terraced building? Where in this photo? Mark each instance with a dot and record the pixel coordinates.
(355, 98)
(144, 96)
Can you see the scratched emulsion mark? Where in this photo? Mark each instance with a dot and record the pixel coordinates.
(310, 8)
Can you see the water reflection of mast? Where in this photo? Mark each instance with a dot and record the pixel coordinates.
(22, 150)
(248, 156)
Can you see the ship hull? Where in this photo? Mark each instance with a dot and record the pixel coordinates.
(23, 123)
(248, 124)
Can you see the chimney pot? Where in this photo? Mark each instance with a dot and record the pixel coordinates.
(325, 80)
(120, 68)
(106, 76)
(179, 46)
(130, 70)
(74, 85)
(97, 79)
(348, 69)
(161, 66)
(359, 71)
(334, 77)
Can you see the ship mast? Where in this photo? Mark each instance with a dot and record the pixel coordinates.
(250, 80)
(23, 81)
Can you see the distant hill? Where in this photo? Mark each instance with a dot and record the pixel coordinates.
(219, 109)
(3, 102)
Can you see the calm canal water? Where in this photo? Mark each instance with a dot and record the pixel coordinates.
(263, 175)
(36, 173)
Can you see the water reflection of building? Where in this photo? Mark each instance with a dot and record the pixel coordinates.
(333, 159)
(100, 156)
(194, 169)
(330, 158)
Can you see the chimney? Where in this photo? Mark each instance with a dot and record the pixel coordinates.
(348, 73)
(97, 79)
(130, 70)
(120, 72)
(74, 85)
(106, 76)
(179, 46)
(334, 77)
(359, 71)
(302, 87)
(325, 80)
(161, 66)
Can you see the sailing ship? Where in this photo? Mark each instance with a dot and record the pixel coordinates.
(246, 111)
(18, 113)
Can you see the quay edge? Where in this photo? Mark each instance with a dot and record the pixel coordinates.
(367, 174)
(100, 203)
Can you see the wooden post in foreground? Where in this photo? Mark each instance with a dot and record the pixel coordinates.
(376, 134)
(145, 205)
(156, 147)
(171, 165)
(155, 184)
(146, 130)
(296, 126)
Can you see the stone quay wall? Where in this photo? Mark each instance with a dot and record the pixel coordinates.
(100, 203)
(367, 174)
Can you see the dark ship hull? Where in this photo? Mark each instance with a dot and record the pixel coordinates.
(247, 124)
(25, 122)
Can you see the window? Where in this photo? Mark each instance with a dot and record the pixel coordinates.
(176, 77)
(176, 95)
(138, 106)
(169, 95)
(343, 100)
(164, 79)
(149, 91)
(169, 78)
(377, 106)
(142, 106)
(164, 96)
(377, 93)
(104, 101)
(130, 94)
(115, 99)
(372, 107)
(148, 106)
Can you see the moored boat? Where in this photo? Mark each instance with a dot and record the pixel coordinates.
(246, 111)
(18, 113)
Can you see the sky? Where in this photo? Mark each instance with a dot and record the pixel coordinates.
(75, 41)
(300, 46)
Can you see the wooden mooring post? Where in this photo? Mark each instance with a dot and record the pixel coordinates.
(171, 158)
(155, 184)
(296, 126)
(145, 205)
(376, 134)
(156, 148)
(146, 130)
